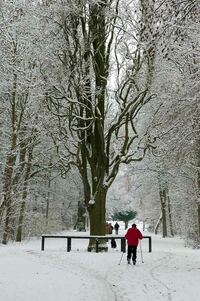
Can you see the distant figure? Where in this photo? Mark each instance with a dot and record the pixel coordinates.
(116, 226)
(133, 235)
(113, 243)
(109, 228)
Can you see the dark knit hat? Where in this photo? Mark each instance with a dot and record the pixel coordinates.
(134, 225)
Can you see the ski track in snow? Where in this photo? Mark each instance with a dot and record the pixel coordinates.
(89, 277)
(153, 288)
(110, 284)
(169, 273)
(111, 280)
(150, 274)
(154, 275)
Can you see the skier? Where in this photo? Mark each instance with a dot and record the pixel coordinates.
(116, 226)
(132, 236)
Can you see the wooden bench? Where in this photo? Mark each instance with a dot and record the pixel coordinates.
(97, 238)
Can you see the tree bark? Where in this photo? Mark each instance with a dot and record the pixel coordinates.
(24, 196)
(7, 188)
(97, 214)
(198, 220)
(158, 224)
(163, 209)
(126, 225)
(170, 215)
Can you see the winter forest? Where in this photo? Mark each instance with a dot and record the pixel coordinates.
(99, 113)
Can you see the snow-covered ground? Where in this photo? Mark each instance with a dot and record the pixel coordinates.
(170, 272)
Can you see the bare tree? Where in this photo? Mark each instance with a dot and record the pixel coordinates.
(95, 114)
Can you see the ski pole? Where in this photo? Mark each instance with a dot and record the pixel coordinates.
(121, 259)
(141, 252)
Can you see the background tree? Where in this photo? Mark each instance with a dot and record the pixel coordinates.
(173, 122)
(25, 148)
(124, 216)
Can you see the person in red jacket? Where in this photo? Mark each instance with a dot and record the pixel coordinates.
(132, 236)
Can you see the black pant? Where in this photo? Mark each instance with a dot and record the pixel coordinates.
(132, 250)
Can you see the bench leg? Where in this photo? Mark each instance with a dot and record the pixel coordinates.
(42, 247)
(150, 245)
(69, 244)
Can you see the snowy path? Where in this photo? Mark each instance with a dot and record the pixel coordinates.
(169, 273)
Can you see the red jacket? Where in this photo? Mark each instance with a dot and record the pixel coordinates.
(133, 235)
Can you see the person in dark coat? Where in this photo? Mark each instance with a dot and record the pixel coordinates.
(113, 243)
(116, 226)
(133, 236)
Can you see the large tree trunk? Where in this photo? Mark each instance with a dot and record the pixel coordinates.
(93, 148)
(97, 214)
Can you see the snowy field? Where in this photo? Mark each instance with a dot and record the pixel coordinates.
(170, 272)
